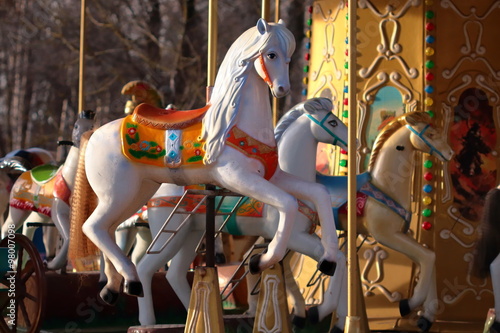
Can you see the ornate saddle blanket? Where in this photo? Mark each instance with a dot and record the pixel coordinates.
(337, 186)
(170, 138)
(164, 138)
(36, 189)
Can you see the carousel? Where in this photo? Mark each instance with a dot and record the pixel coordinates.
(359, 210)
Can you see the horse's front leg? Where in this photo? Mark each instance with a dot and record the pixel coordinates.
(254, 186)
(319, 196)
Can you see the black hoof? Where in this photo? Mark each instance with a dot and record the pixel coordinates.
(108, 296)
(336, 329)
(327, 267)
(253, 265)
(404, 307)
(101, 285)
(133, 288)
(495, 327)
(424, 324)
(313, 315)
(299, 322)
(220, 258)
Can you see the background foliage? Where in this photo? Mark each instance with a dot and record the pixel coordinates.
(161, 41)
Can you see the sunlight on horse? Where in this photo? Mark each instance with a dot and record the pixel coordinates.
(228, 143)
(387, 189)
(299, 130)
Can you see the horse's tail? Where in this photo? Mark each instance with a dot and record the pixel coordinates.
(488, 244)
(83, 254)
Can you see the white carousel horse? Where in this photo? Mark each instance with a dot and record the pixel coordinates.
(46, 190)
(297, 135)
(387, 212)
(487, 251)
(15, 163)
(228, 143)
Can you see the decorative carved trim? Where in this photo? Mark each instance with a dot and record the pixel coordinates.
(450, 4)
(328, 17)
(481, 81)
(326, 80)
(375, 257)
(449, 73)
(389, 10)
(369, 95)
(466, 79)
(454, 290)
(395, 78)
(388, 51)
(467, 48)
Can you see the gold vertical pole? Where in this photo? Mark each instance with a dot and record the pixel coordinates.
(353, 318)
(205, 306)
(212, 46)
(81, 87)
(266, 9)
(275, 100)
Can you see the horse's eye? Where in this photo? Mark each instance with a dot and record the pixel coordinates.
(272, 55)
(333, 123)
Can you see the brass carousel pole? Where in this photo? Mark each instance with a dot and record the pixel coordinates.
(206, 282)
(272, 295)
(356, 315)
(81, 86)
(275, 100)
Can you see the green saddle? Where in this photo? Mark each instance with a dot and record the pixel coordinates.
(44, 173)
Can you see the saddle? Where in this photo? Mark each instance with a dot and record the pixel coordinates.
(36, 189)
(155, 117)
(164, 138)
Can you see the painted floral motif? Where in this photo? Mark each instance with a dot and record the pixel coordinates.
(142, 148)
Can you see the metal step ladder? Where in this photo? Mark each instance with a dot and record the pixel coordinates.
(223, 193)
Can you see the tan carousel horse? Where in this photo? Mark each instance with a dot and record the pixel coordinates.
(46, 190)
(385, 194)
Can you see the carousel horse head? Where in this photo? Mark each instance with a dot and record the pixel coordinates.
(263, 51)
(426, 138)
(84, 123)
(141, 92)
(268, 47)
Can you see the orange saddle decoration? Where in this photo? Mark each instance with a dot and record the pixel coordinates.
(155, 117)
(163, 138)
(29, 193)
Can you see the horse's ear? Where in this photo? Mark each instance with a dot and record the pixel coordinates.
(262, 26)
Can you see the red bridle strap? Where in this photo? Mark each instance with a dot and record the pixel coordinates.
(267, 79)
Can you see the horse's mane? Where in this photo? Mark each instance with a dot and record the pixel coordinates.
(393, 126)
(488, 244)
(232, 75)
(285, 121)
(311, 106)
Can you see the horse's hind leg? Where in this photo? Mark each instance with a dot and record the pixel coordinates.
(425, 290)
(319, 196)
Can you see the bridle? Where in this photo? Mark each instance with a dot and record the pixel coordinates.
(322, 125)
(421, 136)
(266, 77)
